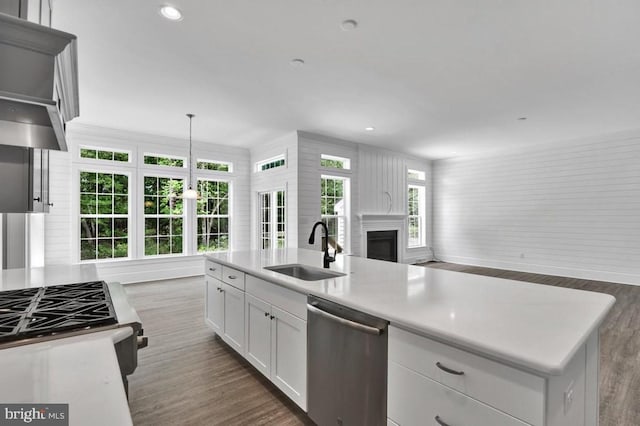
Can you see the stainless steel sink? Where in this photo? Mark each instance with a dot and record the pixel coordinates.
(304, 272)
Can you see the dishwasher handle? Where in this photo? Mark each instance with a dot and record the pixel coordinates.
(352, 324)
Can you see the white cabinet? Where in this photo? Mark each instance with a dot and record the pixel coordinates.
(214, 306)
(267, 325)
(428, 378)
(289, 355)
(276, 344)
(233, 324)
(258, 333)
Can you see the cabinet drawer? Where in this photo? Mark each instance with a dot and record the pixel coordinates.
(291, 301)
(233, 277)
(213, 269)
(510, 390)
(417, 400)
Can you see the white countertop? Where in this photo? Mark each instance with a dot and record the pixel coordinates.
(80, 371)
(532, 326)
(14, 279)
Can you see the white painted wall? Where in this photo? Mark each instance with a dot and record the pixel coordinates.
(61, 224)
(571, 210)
(276, 179)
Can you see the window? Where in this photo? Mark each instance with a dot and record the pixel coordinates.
(162, 160)
(104, 215)
(415, 175)
(217, 166)
(104, 154)
(271, 163)
(213, 215)
(334, 162)
(333, 208)
(272, 220)
(163, 216)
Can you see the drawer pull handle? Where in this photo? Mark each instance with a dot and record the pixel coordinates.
(272, 317)
(232, 277)
(212, 269)
(266, 314)
(441, 422)
(448, 370)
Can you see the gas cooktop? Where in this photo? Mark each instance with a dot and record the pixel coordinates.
(45, 311)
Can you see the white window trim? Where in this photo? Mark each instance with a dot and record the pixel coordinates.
(208, 160)
(345, 160)
(422, 214)
(346, 248)
(194, 216)
(273, 235)
(257, 168)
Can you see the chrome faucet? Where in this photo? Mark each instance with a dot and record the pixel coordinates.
(326, 259)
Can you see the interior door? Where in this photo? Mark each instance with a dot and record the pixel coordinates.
(258, 333)
(289, 355)
(233, 317)
(214, 310)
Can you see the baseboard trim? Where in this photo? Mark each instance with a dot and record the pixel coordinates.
(586, 274)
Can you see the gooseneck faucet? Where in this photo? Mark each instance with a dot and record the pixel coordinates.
(326, 259)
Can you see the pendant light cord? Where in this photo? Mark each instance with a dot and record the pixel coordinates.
(190, 153)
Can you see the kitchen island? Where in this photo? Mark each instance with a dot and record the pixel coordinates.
(529, 352)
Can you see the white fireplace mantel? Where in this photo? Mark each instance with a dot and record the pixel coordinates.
(384, 222)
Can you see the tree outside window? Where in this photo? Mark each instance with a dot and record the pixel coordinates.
(213, 215)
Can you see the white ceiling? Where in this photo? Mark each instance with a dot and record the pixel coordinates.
(433, 77)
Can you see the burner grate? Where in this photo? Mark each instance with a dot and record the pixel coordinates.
(56, 309)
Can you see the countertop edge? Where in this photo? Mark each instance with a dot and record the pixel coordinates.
(514, 360)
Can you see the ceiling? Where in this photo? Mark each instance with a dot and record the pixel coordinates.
(436, 78)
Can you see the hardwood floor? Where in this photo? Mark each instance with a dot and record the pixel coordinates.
(188, 377)
(619, 340)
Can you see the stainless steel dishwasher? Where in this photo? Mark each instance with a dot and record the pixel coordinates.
(347, 365)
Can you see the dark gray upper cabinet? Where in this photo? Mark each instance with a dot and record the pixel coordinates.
(24, 174)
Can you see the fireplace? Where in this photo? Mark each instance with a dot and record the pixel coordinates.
(382, 245)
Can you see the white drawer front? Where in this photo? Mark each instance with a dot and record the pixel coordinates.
(233, 277)
(288, 300)
(417, 400)
(510, 390)
(213, 269)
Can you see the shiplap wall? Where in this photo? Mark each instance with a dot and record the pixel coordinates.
(383, 172)
(311, 147)
(276, 179)
(61, 223)
(571, 210)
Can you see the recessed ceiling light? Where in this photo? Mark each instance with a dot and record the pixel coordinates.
(522, 118)
(349, 25)
(171, 13)
(370, 129)
(297, 62)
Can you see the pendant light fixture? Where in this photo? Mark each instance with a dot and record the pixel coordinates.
(190, 193)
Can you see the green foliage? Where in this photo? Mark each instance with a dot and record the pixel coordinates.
(209, 165)
(95, 154)
(163, 161)
(334, 164)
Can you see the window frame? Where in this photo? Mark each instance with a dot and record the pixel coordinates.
(257, 168)
(346, 196)
(273, 233)
(420, 184)
(345, 161)
(77, 205)
(228, 216)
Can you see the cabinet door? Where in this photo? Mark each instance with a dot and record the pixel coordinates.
(289, 355)
(258, 333)
(214, 308)
(233, 323)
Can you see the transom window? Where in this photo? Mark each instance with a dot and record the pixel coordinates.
(163, 160)
(333, 208)
(333, 162)
(104, 215)
(217, 166)
(213, 215)
(104, 154)
(163, 215)
(271, 163)
(415, 174)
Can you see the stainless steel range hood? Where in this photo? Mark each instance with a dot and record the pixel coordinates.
(38, 84)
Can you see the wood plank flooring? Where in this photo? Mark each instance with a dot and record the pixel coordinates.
(188, 377)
